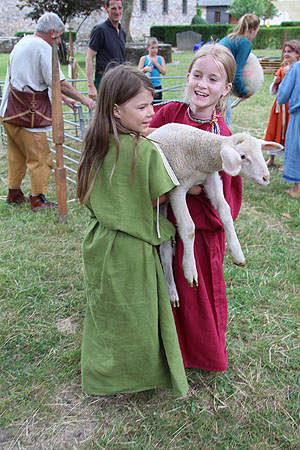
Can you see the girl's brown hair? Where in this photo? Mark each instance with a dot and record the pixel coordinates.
(246, 23)
(118, 85)
(294, 44)
(224, 61)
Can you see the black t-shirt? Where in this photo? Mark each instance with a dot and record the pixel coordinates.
(109, 45)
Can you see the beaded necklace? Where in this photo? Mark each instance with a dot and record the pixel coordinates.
(215, 128)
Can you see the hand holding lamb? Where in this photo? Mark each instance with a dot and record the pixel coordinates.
(196, 156)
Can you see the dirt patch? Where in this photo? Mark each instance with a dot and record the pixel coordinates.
(69, 424)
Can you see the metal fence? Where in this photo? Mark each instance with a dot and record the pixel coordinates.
(75, 124)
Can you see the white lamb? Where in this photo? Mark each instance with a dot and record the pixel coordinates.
(253, 77)
(196, 156)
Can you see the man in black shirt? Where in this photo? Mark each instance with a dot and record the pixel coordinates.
(107, 43)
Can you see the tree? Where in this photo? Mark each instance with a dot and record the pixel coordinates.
(127, 12)
(65, 9)
(264, 9)
(269, 10)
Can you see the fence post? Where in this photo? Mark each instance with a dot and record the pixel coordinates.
(81, 120)
(58, 137)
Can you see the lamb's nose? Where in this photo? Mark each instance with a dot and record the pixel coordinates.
(266, 178)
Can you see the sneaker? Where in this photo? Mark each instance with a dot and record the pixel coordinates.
(39, 202)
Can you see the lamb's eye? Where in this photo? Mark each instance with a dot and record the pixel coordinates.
(243, 157)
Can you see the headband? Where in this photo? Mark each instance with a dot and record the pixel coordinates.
(293, 47)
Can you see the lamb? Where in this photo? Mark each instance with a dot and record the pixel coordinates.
(196, 156)
(253, 77)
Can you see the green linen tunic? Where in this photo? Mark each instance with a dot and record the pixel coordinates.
(130, 342)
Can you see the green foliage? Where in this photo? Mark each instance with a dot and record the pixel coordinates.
(291, 23)
(167, 33)
(262, 8)
(198, 11)
(269, 10)
(198, 19)
(273, 37)
(65, 9)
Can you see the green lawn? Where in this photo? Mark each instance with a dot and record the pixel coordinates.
(254, 405)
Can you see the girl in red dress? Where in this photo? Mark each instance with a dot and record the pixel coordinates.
(279, 116)
(201, 318)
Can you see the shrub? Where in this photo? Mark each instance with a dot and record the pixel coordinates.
(271, 37)
(197, 19)
(290, 24)
(167, 33)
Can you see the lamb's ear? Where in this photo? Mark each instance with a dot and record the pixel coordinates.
(231, 160)
(269, 145)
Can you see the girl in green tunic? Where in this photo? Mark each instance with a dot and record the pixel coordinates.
(129, 338)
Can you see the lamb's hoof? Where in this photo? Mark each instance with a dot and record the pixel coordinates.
(190, 274)
(192, 283)
(240, 264)
(175, 303)
(173, 296)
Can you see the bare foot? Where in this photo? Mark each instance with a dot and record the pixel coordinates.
(270, 161)
(292, 193)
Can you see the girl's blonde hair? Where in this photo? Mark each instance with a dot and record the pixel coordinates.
(118, 85)
(224, 60)
(246, 23)
(294, 44)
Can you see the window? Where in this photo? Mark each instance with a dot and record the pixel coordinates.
(165, 7)
(184, 6)
(144, 6)
(217, 17)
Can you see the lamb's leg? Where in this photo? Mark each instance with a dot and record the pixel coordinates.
(166, 256)
(214, 189)
(186, 230)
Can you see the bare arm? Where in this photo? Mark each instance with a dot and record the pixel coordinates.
(69, 102)
(68, 90)
(195, 190)
(141, 67)
(161, 67)
(89, 68)
(162, 199)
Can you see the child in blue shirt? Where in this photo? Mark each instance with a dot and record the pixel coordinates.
(153, 65)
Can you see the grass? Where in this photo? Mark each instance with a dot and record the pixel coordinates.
(254, 405)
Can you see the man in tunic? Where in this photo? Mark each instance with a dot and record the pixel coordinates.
(30, 71)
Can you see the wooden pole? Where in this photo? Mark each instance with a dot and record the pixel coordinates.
(58, 137)
(284, 41)
(71, 57)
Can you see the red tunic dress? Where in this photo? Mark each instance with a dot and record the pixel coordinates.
(279, 118)
(201, 319)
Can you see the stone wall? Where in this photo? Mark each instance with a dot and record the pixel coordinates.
(7, 44)
(135, 51)
(12, 19)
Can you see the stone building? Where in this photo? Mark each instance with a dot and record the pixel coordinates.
(216, 11)
(145, 14)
